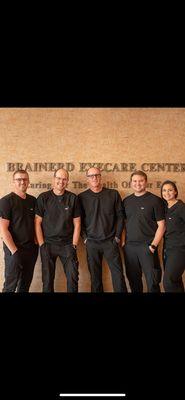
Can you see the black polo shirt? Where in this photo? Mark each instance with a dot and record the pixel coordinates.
(175, 226)
(21, 213)
(102, 215)
(57, 214)
(141, 214)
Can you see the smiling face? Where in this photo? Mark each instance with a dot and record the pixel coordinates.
(60, 181)
(139, 184)
(21, 182)
(94, 179)
(169, 193)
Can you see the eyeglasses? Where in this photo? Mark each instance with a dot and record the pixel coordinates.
(21, 179)
(93, 176)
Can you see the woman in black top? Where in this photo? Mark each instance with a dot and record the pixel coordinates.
(174, 239)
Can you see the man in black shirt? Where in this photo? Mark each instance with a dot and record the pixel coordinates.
(145, 226)
(17, 212)
(102, 225)
(57, 225)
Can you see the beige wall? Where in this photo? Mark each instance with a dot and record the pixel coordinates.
(118, 136)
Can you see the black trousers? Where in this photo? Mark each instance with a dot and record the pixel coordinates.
(174, 266)
(139, 259)
(110, 250)
(67, 254)
(19, 270)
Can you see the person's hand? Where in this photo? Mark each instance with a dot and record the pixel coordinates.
(74, 246)
(44, 251)
(116, 241)
(151, 249)
(16, 259)
(14, 252)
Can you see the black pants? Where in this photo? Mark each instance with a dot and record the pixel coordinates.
(174, 266)
(19, 275)
(138, 259)
(67, 254)
(110, 250)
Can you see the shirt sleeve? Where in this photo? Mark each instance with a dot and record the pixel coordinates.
(182, 212)
(39, 207)
(159, 210)
(83, 232)
(119, 215)
(123, 209)
(77, 208)
(34, 204)
(5, 208)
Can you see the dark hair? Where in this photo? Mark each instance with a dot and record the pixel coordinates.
(169, 183)
(20, 171)
(139, 173)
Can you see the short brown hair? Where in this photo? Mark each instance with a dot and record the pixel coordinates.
(20, 171)
(139, 173)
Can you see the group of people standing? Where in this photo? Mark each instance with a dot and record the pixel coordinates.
(55, 220)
